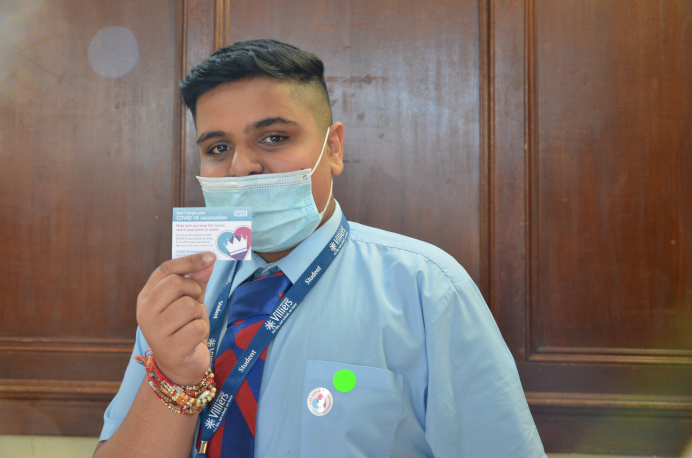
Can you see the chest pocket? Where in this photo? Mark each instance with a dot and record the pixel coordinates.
(358, 423)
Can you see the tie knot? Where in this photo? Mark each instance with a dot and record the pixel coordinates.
(258, 296)
(264, 271)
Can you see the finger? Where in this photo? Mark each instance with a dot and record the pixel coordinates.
(180, 266)
(168, 290)
(202, 278)
(192, 334)
(205, 316)
(179, 314)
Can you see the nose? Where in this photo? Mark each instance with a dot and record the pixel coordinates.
(245, 163)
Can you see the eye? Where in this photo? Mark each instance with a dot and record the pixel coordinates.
(219, 149)
(273, 139)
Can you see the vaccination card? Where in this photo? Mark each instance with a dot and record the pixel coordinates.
(226, 232)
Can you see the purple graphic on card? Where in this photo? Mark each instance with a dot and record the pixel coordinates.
(235, 245)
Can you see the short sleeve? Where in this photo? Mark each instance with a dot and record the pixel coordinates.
(475, 403)
(120, 405)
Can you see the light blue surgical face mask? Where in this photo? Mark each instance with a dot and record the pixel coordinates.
(283, 209)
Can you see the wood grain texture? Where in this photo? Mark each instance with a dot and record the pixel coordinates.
(610, 187)
(636, 402)
(59, 390)
(404, 79)
(86, 195)
(602, 431)
(507, 172)
(590, 133)
(485, 144)
(87, 178)
(200, 32)
(66, 344)
(606, 378)
(51, 417)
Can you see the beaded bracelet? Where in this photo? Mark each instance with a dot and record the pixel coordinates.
(185, 399)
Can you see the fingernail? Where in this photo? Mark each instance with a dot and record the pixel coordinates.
(208, 257)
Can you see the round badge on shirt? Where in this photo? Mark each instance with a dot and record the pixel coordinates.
(320, 401)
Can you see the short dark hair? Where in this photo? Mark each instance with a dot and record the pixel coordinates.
(250, 59)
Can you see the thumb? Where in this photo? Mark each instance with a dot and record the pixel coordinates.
(201, 277)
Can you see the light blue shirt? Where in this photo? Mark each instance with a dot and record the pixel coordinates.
(433, 374)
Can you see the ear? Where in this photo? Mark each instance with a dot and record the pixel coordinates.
(335, 145)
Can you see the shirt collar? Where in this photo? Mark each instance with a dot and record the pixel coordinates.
(295, 263)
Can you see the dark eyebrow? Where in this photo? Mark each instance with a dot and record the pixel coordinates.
(255, 125)
(213, 134)
(268, 122)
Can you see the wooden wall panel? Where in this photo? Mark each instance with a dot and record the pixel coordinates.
(198, 38)
(611, 176)
(86, 189)
(590, 109)
(404, 79)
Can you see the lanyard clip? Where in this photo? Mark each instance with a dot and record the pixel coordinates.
(202, 450)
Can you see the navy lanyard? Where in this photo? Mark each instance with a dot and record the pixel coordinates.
(212, 417)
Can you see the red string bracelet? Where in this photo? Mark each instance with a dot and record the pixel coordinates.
(185, 399)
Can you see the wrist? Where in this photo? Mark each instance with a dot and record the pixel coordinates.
(187, 399)
(176, 378)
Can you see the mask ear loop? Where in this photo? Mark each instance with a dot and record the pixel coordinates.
(326, 137)
(331, 184)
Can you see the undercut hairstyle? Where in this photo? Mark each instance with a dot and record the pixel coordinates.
(245, 60)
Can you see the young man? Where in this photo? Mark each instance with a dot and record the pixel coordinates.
(392, 352)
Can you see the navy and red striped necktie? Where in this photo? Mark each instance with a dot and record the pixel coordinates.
(249, 306)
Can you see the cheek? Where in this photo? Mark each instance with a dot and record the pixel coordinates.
(214, 169)
(282, 162)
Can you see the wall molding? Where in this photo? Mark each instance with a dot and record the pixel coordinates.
(640, 402)
(611, 355)
(487, 133)
(66, 344)
(57, 389)
(531, 185)
(222, 24)
(199, 25)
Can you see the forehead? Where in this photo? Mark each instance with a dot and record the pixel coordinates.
(240, 103)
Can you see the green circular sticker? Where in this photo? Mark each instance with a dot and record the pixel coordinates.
(344, 380)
